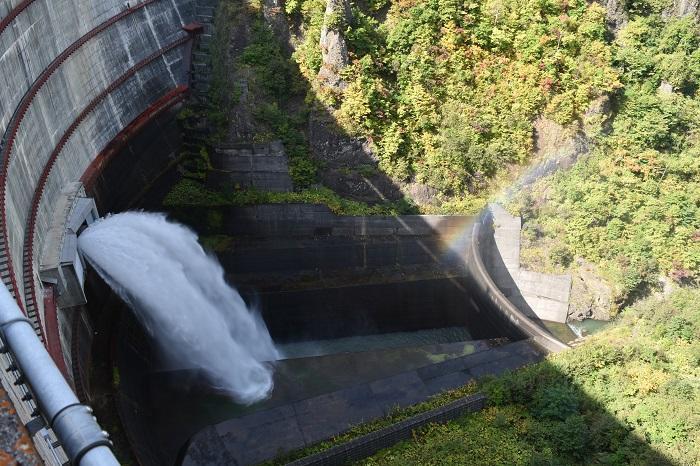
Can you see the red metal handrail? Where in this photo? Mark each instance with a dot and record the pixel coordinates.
(12, 129)
(39, 190)
(90, 175)
(13, 14)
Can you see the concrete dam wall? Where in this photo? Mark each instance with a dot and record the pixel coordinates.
(76, 75)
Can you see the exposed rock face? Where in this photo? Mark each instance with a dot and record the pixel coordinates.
(334, 48)
(591, 297)
(421, 193)
(273, 10)
(553, 141)
(616, 16)
(348, 165)
(665, 88)
(240, 112)
(557, 147)
(684, 8)
(598, 117)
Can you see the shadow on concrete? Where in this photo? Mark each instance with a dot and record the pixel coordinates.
(315, 276)
(537, 417)
(172, 416)
(494, 262)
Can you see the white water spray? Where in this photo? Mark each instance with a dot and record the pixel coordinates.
(180, 296)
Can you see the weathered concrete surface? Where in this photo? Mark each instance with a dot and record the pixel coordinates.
(87, 72)
(263, 167)
(308, 421)
(377, 308)
(544, 296)
(270, 243)
(30, 43)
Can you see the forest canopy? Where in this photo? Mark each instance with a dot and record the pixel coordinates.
(448, 90)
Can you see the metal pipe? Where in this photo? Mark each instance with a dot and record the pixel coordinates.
(84, 442)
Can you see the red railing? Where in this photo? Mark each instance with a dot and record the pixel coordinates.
(12, 129)
(53, 340)
(93, 171)
(13, 14)
(38, 192)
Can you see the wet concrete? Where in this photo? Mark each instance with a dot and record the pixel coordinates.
(262, 435)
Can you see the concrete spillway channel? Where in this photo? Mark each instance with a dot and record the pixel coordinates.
(371, 313)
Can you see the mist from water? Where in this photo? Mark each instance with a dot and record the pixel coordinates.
(179, 295)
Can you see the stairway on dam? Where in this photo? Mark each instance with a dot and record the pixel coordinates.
(262, 167)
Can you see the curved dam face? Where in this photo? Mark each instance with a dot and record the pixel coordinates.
(77, 74)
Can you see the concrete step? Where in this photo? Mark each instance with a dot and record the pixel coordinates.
(252, 164)
(262, 181)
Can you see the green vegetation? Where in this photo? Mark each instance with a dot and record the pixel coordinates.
(191, 193)
(310, 13)
(275, 101)
(272, 81)
(448, 90)
(628, 395)
(633, 206)
(394, 417)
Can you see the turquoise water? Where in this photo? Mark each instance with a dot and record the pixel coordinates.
(561, 332)
(373, 342)
(571, 330)
(588, 326)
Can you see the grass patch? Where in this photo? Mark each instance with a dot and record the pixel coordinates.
(191, 193)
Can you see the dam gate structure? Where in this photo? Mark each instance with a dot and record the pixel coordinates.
(78, 75)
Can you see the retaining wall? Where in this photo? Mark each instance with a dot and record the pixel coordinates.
(490, 294)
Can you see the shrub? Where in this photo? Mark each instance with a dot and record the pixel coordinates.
(561, 255)
(679, 328)
(555, 402)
